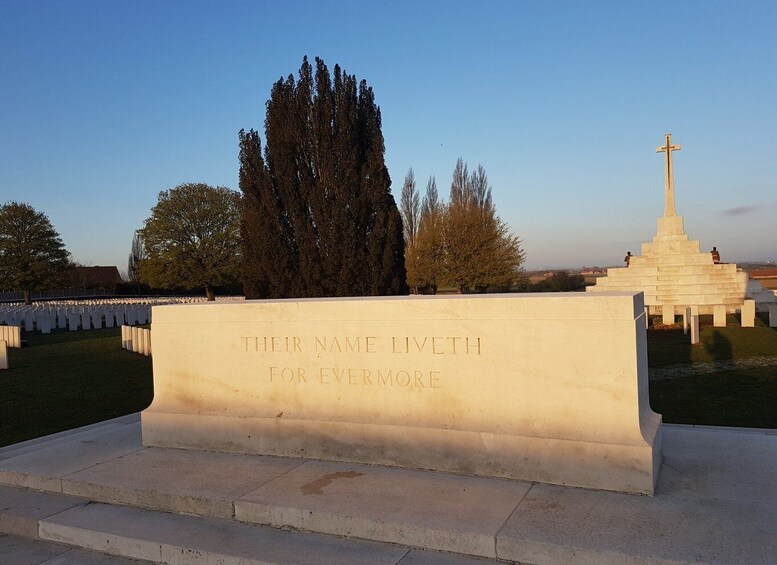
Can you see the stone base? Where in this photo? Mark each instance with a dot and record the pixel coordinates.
(605, 466)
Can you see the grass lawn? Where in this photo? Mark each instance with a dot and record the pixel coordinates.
(745, 398)
(69, 379)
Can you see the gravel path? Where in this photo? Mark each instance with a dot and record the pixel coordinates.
(685, 370)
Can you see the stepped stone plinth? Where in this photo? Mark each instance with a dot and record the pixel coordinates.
(672, 271)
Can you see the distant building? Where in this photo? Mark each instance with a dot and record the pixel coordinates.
(104, 278)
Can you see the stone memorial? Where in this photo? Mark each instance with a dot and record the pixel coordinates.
(3, 354)
(550, 388)
(672, 271)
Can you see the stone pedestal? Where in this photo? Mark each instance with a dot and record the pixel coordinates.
(541, 388)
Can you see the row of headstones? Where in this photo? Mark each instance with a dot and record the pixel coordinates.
(691, 317)
(747, 313)
(136, 339)
(56, 314)
(67, 318)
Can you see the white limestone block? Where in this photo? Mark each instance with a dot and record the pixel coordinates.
(146, 343)
(695, 329)
(109, 319)
(748, 314)
(467, 384)
(86, 321)
(73, 322)
(667, 315)
(3, 354)
(719, 316)
(135, 339)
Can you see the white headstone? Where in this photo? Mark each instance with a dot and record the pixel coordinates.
(125, 337)
(667, 316)
(73, 322)
(97, 319)
(3, 354)
(109, 317)
(135, 339)
(86, 321)
(694, 329)
(748, 314)
(773, 315)
(719, 316)
(28, 321)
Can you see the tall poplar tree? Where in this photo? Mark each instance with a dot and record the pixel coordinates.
(319, 218)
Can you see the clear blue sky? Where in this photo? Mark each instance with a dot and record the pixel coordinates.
(104, 104)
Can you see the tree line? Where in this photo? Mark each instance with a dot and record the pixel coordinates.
(314, 216)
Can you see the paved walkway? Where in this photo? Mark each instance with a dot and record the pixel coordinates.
(99, 489)
(686, 370)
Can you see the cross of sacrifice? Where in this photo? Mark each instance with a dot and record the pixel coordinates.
(669, 181)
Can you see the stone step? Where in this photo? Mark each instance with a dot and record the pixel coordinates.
(16, 550)
(36, 527)
(714, 504)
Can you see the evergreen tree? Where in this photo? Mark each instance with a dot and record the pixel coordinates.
(319, 219)
(32, 255)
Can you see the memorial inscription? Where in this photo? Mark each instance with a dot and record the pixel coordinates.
(343, 374)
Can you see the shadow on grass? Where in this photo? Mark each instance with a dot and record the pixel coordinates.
(718, 345)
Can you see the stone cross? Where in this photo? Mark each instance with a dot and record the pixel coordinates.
(669, 181)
